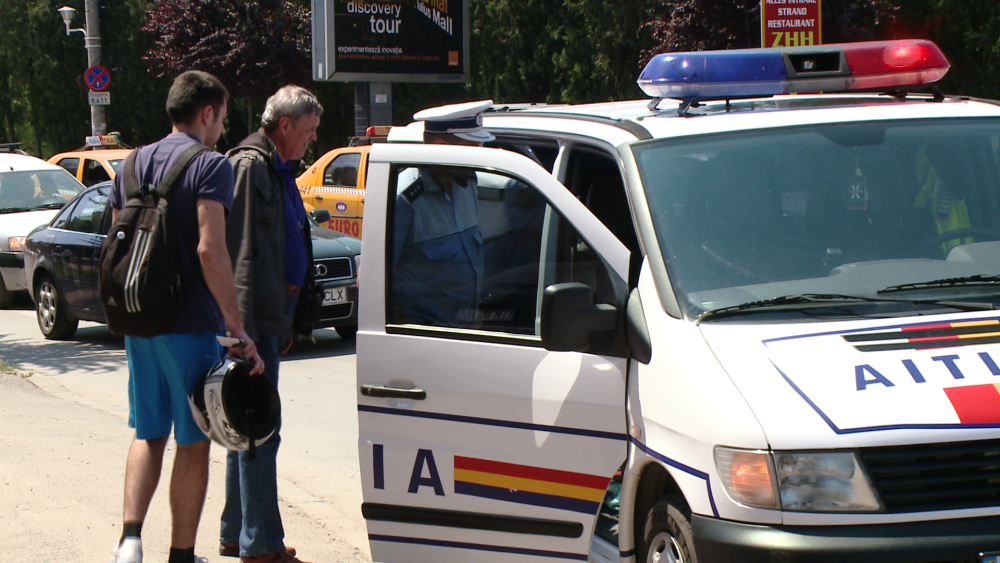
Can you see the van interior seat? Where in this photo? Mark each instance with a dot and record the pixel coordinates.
(605, 196)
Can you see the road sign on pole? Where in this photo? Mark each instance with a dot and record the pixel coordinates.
(786, 25)
(97, 78)
(100, 98)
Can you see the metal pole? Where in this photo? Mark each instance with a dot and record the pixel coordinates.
(380, 103)
(362, 108)
(98, 123)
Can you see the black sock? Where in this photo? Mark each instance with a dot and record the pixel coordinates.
(131, 530)
(181, 555)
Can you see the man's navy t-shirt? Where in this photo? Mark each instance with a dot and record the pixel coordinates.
(209, 176)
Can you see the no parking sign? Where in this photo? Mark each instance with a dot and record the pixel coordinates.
(97, 78)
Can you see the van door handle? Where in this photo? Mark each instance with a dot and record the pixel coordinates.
(374, 390)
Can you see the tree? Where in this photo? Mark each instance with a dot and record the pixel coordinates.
(252, 46)
(138, 95)
(967, 31)
(699, 25)
(42, 70)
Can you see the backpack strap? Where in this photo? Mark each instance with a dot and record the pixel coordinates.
(129, 183)
(166, 185)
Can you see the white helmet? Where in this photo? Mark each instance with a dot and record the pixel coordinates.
(235, 409)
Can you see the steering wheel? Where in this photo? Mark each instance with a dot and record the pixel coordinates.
(941, 238)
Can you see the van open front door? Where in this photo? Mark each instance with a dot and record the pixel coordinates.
(476, 443)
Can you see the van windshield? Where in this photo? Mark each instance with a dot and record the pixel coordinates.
(845, 209)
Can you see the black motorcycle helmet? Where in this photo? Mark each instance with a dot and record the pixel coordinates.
(237, 410)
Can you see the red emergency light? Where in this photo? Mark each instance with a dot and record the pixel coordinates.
(838, 67)
(887, 64)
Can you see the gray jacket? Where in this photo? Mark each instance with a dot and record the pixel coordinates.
(255, 236)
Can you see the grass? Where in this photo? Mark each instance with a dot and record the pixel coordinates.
(6, 367)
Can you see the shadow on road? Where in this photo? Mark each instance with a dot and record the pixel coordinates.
(87, 352)
(93, 347)
(91, 350)
(328, 344)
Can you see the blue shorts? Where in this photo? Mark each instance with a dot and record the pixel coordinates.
(161, 372)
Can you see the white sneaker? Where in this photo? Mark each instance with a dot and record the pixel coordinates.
(129, 551)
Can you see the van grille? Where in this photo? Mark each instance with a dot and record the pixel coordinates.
(327, 269)
(932, 477)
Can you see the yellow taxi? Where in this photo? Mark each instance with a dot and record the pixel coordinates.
(97, 162)
(336, 182)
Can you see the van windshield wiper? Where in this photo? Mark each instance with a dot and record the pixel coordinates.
(978, 279)
(808, 300)
(13, 209)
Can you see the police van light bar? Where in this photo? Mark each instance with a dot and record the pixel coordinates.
(742, 73)
(377, 130)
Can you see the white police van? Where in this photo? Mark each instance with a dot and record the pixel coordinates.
(727, 323)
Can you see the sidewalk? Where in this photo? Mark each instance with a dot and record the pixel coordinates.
(61, 476)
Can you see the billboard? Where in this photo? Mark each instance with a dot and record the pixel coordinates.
(391, 40)
(790, 23)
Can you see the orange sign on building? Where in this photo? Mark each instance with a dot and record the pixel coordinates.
(790, 23)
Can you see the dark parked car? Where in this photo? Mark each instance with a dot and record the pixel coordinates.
(62, 258)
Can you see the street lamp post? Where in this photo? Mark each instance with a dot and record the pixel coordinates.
(92, 41)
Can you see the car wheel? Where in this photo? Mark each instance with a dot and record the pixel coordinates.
(668, 537)
(53, 319)
(347, 332)
(6, 297)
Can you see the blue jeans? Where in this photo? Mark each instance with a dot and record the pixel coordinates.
(250, 517)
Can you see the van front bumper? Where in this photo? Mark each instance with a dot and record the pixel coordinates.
(911, 542)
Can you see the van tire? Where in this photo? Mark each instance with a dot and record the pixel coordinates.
(667, 536)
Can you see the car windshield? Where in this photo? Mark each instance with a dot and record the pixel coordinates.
(845, 209)
(37, 189)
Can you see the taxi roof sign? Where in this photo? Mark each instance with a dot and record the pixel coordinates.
(102, 141)
(741, 73)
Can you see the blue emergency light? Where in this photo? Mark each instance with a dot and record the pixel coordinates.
(742, 73)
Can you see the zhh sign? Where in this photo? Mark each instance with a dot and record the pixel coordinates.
(790, 23)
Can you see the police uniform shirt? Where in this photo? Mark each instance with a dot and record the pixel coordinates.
(438, 252)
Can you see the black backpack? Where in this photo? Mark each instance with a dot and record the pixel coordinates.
(142, 289)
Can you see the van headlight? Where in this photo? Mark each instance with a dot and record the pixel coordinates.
(823, 482)
(16, 244)
(796, 481)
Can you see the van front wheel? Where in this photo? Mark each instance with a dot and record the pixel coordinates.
(668, 537)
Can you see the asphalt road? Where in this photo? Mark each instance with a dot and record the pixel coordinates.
(64, 438)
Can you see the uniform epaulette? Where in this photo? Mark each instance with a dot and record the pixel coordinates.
(413, 191)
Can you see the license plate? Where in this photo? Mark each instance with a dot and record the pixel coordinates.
(334, 296)
(989, 557)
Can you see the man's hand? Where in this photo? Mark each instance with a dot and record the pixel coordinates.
(287, 345)
(247, 351)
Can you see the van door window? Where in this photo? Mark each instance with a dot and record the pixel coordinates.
(343, 171)
(542, 152)
(478, 255)
(596, 180)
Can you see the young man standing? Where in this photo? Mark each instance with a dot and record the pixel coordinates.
(270, 244)
(163, 369)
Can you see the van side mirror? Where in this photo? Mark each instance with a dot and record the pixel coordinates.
(320, 215)
(570, 317)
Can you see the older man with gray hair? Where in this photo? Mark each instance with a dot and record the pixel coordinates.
(269, 241)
